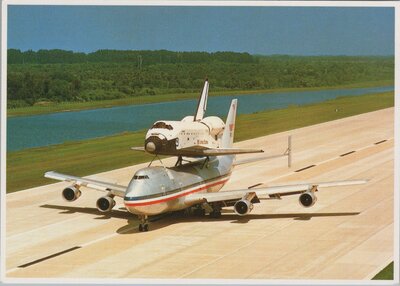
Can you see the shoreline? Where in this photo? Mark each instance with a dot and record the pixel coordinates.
(79, 106)
(25, 168)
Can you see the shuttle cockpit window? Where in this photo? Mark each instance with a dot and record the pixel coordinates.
(162, 125)
(135, 177)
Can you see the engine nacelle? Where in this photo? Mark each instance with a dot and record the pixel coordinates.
(243, 207)
(71, 193)
(307, 199)
(105, 204)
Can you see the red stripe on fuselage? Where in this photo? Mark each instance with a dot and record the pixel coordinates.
(175, 197)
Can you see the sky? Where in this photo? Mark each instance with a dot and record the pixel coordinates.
(256, 30)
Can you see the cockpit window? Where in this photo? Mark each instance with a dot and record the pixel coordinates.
(135, 177)
(162, 125)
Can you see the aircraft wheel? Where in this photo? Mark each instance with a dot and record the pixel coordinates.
(143, 226)
(199, 212)
(215, 214)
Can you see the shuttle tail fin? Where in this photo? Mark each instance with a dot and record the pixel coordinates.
(227, 136)
(202, 105)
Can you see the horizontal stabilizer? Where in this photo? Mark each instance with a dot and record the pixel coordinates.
(257, 159)
(287, 153)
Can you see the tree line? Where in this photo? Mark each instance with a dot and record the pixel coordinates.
(57, 75)
(143, 58)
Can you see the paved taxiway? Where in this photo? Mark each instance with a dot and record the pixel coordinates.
(347, 234)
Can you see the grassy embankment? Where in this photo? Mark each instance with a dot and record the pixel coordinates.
(51, 107)
(385, 274)
(25, 168)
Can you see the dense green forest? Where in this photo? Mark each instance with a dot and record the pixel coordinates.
(60, 76)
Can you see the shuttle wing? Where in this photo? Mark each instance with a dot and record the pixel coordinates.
(230, 151)
(202, 152)
(269, 192)
(115, 189)
(215, 151)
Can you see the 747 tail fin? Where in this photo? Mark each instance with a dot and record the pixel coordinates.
(229, 131)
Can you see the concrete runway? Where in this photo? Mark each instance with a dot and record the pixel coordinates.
(347, 234)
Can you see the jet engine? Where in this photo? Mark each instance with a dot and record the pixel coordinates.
(105, 204)
(307, 199)
(243, 207)
(71, 193)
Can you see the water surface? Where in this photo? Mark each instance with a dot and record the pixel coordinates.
(42, 130)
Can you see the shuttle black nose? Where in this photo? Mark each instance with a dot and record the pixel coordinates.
(153, 144)
(156, 145)
(150, 146)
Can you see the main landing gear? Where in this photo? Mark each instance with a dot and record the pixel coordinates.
(213, 210)
(198, 211)
(143, 226)
(216, 211)
(215, 214)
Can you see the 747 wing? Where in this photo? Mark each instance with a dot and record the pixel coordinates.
(114, 189)
(243, 199)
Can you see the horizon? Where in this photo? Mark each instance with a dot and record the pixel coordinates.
(198, 51)
(266, 31)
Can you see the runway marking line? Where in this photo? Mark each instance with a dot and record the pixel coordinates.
(379, 142)
(305, 168)
(49, 257)
(256, 185)
(348, 153)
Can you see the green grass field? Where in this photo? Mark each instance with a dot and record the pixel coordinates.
(385, 274)
(25, 168)
(51, 107)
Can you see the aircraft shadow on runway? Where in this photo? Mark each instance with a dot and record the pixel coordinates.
(161, 221)
(93, 211)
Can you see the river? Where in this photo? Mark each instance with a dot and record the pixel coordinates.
(43, 130)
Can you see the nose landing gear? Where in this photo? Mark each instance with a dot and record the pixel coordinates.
(143, 226)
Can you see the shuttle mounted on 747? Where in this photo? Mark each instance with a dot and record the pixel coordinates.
(195, 183)
(193, 136)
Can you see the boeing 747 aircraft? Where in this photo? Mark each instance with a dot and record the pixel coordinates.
(157, 189)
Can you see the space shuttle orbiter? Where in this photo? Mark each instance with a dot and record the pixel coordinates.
(193, 136)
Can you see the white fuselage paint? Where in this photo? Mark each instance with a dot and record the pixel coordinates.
(188, 133)
(156, 190)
